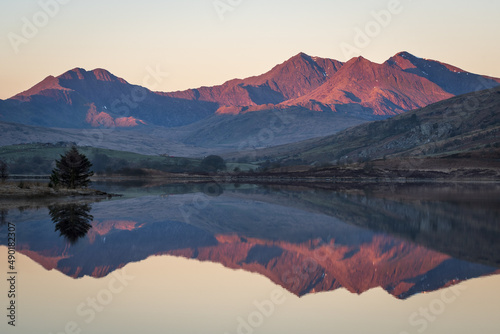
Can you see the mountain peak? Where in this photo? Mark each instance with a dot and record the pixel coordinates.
(313, 59)
(450, 78)
(75, 73)
(98, 74)
(404, 54)
(104, 75)
(49, 83)
(362, 59)
(302, 55)
(403, 60)
(359, 61)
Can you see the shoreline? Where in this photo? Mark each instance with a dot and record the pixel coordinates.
(39, 194)
(311, 178)
(28, 188)
(36, 195)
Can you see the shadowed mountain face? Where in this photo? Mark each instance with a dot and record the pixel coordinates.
(358, 88)
(305, 240)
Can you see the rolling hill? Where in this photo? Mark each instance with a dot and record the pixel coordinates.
(38, 159)
(152, 142)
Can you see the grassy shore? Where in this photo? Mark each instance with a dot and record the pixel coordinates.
(368, 172)
(29, 194)
(30, 189)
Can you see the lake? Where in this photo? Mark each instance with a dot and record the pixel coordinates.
(242, 258)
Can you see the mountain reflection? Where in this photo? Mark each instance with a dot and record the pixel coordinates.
(405, 241)
(71, 220)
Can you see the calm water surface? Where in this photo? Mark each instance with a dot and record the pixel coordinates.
(212, 258)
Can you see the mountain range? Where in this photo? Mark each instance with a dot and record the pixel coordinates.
(303, 98)
(80, 98)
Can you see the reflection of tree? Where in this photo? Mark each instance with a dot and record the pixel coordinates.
(72, 220)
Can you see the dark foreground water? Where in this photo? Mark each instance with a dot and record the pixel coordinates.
(257, 259)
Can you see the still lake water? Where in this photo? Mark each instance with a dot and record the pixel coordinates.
(259, 259)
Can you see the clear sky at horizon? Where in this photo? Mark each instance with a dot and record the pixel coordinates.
(199, 45)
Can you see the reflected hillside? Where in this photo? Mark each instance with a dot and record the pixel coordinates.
(306, 240)
(459, 220)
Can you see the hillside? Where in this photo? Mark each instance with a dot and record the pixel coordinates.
(260, 129)
(151, 142)
(38, 159)
(467, 126)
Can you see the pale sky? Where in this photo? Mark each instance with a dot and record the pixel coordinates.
(199, 46)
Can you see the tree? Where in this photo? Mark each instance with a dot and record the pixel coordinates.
(54, 179)
(4, 172)
(72, 170)
(212, 163)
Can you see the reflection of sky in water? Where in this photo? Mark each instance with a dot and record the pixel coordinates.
(296, 241)
(177, 295)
